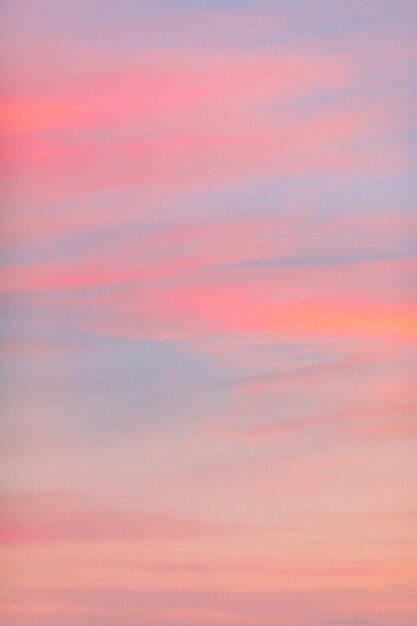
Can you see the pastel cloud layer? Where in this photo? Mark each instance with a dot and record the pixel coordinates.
(208, 313)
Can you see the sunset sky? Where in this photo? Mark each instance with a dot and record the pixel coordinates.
(208, 319)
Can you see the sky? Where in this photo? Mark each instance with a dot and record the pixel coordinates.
(208, 314)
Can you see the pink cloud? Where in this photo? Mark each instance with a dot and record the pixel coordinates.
(186, 123)
(58, 518)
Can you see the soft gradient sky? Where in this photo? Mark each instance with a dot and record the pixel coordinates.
(208, 279)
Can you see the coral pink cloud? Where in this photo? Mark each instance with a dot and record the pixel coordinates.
(175, 83)
(60, 518)
(197, 122)
(195, 311)
(194, 160)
